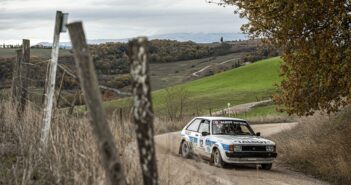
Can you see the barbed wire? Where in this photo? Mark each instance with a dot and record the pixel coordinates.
(100, 86)
(36, 93)
(65, 100)
(43, 62)
(33, 82)
(37, 63)
(30, 79)
(32, 103)
(28, 91)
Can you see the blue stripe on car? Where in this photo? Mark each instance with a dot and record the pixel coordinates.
(225, 147)
(209, 142)
(193, 139)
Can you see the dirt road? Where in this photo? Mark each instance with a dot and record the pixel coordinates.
(197, 171)
(204, 68)
(236, 109)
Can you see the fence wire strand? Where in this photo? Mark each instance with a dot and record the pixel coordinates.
(33, 80)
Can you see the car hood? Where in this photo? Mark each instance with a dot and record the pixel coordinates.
(244, 140)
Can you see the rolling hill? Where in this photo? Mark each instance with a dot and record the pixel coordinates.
(236, 86)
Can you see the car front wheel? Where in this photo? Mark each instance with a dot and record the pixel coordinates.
(217, 159)
(185, 148)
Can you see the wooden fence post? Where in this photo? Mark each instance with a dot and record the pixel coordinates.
(50, 82)
(93, 100)
(142, 111)
(43, 99)
(15, 86)
(60, 89)
(71, 108)
(24, 74)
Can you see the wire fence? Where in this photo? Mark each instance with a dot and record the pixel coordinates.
(33, 79)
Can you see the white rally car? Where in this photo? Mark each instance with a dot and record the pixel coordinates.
(226, 140)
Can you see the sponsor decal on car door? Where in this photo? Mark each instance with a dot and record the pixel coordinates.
(203, 128)
(192, 133)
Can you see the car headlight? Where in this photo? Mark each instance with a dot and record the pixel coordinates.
(270, 148)
(237, 148)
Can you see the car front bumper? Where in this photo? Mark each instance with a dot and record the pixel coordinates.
(250, 157)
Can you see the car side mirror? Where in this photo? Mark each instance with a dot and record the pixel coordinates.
(258, 134)
(205, 133)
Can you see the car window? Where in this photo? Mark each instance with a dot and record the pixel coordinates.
(231, 127)
(245, 130)
(194, 125)
(204, 126)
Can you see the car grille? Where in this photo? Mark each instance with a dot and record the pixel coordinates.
(252, 154)
(254, 148)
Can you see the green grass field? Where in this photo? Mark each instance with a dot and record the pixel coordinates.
(236, 86)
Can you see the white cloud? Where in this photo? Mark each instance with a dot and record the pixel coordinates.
(112, 19)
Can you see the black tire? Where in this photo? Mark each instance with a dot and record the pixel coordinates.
(217, 159)
(266, 166)
(185, 150)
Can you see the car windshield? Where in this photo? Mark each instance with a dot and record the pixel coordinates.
(231, 127)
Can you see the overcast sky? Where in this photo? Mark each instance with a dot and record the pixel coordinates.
(114, 19)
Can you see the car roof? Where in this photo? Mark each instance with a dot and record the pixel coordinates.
(219, 118)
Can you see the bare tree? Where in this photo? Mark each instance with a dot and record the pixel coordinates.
(176, 99)
(142, 111)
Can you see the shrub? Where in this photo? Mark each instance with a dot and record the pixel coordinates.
(320, 146)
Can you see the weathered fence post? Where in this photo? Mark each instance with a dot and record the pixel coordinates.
(50, 82)
(71, 108)
(142, 111)
(25, 58)
(43, 99)
(15, 86)
(93, 100)
(60, 89)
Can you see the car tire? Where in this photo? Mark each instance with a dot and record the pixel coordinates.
(185, 150)
(266, 166)
(217, 159)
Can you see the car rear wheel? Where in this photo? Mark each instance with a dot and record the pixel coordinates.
(266, 166)
(217, 159)
(185, 148)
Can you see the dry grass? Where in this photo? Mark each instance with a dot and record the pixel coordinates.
(320, 146)
(71, 156)
(271, 119)
(167, 125)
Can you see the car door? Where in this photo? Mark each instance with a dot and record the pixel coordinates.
(192, 132)
(201, 145)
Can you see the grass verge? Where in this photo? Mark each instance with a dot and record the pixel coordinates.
(266, 113)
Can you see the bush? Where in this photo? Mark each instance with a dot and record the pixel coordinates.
(319, 146)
